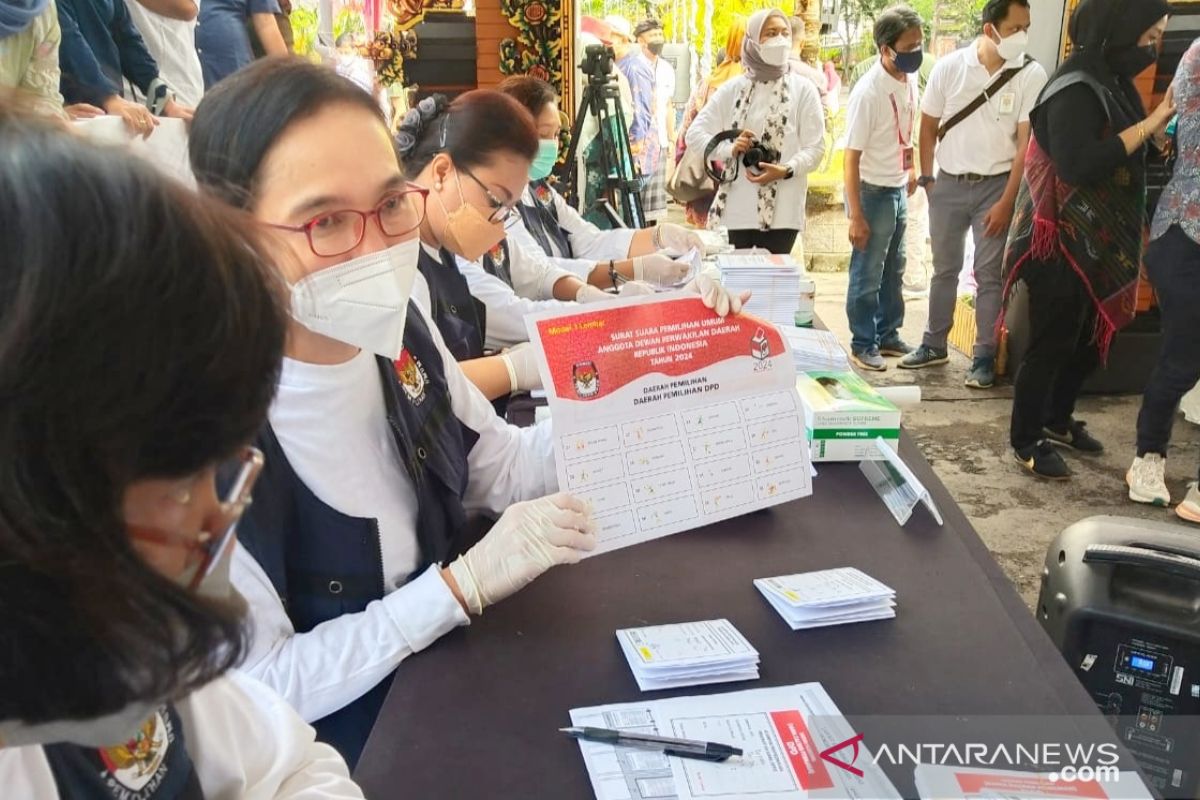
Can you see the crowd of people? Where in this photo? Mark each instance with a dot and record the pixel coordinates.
(336, 329)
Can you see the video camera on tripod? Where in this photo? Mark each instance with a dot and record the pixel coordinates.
(622, 180)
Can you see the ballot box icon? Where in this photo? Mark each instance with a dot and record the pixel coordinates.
(760, 349)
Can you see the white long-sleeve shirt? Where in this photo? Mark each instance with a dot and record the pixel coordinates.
(245, 743)
(589, 243)
(802, 150)
(506, 309)
(338, 661)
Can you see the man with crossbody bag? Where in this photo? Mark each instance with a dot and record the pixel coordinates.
(975, 112)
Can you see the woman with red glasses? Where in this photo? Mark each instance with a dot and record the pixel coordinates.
(353, 556)
(138, 356)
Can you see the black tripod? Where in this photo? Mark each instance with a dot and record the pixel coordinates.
(623, 182)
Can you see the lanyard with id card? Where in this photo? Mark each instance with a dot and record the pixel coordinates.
(906, 149)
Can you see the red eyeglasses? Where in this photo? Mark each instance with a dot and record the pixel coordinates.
(337, 232)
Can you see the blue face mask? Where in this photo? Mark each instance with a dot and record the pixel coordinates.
(544, 161)
(909, 62)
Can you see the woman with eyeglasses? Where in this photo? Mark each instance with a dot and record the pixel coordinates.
(138, 356)
(353, 556)
(474, 155)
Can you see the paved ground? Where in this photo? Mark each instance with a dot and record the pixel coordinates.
(964, 434)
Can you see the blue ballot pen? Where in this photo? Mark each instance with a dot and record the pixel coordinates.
(684, 748)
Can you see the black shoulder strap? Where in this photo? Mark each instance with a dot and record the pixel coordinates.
(973, 106)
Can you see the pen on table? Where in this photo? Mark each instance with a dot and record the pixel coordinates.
(684, 748)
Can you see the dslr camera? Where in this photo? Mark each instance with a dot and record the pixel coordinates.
(759, 153)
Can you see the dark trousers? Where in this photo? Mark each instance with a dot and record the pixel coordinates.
(1061, 354)
(1173, 263)
(779, 241)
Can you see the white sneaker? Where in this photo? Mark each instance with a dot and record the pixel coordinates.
(1145, 479)
(1189, 509)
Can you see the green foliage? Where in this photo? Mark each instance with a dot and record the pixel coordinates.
(304, 30)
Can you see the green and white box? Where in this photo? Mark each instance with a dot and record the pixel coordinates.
(844, 415)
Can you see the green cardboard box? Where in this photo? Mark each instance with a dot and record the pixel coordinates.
(844, 415)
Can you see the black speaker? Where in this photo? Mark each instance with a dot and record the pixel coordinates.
(1121, 599)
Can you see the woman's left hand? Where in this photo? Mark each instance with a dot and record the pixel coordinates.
(770, 173)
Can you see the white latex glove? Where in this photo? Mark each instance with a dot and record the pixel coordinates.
(592, 294)
(528, 539)
(716, 296)
(636, 289)
(669, 236)
(660, 270)
(522, 364)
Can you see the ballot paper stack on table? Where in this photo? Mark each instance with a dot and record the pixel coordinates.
(773, 280)
(936, 782)
(815, 350)
(828, 597)
(796, 744)
(688, 654)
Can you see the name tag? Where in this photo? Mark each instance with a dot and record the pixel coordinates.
(906, 158)
(1008, 102)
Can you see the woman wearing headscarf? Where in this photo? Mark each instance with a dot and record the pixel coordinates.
(1076, 237)
(696, 211)
(762, 203)
(1173, 263)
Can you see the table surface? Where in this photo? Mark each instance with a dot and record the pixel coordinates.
(476, 715)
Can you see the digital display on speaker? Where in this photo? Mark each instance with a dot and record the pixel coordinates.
(1141, 662)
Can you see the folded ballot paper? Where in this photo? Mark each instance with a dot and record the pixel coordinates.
(688, 654)
(963, 783)
(828, 597)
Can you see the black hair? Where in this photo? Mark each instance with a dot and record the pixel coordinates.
(239, 120)
(141, 332)
(647, 25)
(894, 23)
(533, 93)
(470, 130)
(995, 11)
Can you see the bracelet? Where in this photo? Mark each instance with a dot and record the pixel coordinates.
(1141, 126)
(614, 276)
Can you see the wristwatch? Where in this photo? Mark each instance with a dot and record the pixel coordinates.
(791, 173)
(925, 180)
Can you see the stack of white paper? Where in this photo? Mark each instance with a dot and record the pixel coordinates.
(815, 350)
(774, 281)
(966, 783)
(688, 654)
(828, 597)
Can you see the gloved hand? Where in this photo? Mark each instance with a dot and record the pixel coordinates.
(528, 539)
(592, 294)
(716, 296)
(660, 270)
(635, 289)
(669, 236)
(522, 364)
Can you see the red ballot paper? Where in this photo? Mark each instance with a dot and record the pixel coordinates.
(667, 417)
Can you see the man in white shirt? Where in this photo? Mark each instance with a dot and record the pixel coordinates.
(975, 111)
(169, 30)
(880, 174)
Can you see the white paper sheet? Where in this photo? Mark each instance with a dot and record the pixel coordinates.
(668, 417)
(166, 147)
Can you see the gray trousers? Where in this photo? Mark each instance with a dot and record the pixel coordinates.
(956, 207)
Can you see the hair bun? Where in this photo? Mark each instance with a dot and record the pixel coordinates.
(418, 121)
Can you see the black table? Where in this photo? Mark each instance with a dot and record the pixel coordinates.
(477, 714)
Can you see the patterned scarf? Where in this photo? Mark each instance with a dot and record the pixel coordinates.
(781, 99)
(1096, 230)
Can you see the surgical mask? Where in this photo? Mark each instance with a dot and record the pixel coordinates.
(468, 232)
(544, 161)
(1130, 61)
(363, 301)
(909, 62)
(655, 47)
(1011, 47)
(111, 729)
(776, 50)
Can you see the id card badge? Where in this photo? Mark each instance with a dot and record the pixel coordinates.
(1008, 102)
(906, 159)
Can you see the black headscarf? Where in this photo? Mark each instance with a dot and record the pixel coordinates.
(1104, 34)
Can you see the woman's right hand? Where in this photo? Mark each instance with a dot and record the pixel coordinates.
(742, 143)
(528, 539)
(138, 118)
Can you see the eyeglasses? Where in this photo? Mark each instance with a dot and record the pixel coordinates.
(501, 212)
(239, 473)
(337, 232)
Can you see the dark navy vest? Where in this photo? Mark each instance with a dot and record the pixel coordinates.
(458, 315)
(541, 220)
(497, 262)
(324, 563)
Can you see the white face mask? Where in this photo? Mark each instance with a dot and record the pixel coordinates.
(776, 50)
(363, 302)
(1011, 47)
(113, 729)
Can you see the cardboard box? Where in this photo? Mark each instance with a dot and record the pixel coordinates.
(844, 415)
(962, 334)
